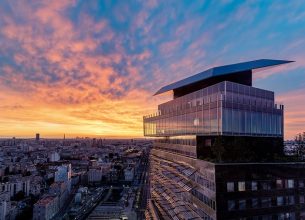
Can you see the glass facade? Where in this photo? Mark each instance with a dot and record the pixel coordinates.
(225, 108)
(176, 186)
(184, 185)
(183, 145)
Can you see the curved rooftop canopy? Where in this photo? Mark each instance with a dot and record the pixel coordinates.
(230, 72)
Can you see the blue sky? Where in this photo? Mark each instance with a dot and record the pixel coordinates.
(90, 67)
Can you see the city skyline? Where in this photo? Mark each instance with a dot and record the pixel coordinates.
(91, 68)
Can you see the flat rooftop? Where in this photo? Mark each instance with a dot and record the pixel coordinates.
(45, 200)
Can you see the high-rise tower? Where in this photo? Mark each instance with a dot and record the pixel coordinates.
(37, 138)
(218, 150)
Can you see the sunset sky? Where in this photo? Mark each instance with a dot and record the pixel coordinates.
(89, 68)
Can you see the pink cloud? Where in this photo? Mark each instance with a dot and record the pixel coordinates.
(66, 77)
(169, 47)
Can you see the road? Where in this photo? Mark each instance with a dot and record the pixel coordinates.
(102, 194)
(90, 204)
(143, 187)
(63, 210)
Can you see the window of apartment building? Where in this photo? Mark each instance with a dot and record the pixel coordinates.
(290, 200)
(266, 202)
(290, 184)
(301, 199)
(253, 185)
(241, 186)
(254, 203)
(204, 215)
(279, 184)
(214, 205)
(285, 216)
(280, 200)
(301, 183)
(265, 185)
(203, 198)
(230, 186)
(231, 205)
(242, 204)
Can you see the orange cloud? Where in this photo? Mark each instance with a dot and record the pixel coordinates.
(65, 69)
(62, 85)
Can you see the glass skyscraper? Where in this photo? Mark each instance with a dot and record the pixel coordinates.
(225, 108)
(217, 148)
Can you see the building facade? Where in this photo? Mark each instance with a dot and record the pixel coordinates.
(63, 174)
(95, 175)
(129, 173)
(15, 185)
(3, 208)
(216, 150)
(46, 208)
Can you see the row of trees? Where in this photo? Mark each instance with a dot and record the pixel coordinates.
(300, 144)
(300, 137)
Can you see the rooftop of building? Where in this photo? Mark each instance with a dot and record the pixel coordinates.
(238, 72)
(57, 184)
(46, 200)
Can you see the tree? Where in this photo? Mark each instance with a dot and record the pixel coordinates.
(218, 149)
(6, 171)
(18, 196)
(300, 144)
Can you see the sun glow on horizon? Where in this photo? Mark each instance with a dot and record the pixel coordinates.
(91, 68)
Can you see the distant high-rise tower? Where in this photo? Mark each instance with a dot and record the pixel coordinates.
(218, 151)
(37, 137)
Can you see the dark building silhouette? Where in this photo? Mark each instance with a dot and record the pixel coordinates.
(218, 150)
(37, 137)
